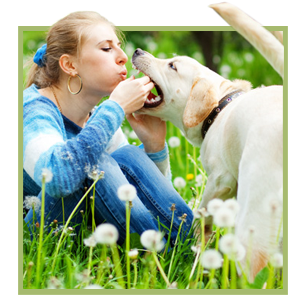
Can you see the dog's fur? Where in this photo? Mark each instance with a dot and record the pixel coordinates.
(242, 152)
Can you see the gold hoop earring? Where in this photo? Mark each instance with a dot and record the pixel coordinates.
(68, 84)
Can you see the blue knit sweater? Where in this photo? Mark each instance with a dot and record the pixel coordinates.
(51, 141)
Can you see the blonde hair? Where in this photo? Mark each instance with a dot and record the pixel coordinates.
(64, 37)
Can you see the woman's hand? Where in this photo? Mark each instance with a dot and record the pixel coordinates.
(132, 93)
(150, 130)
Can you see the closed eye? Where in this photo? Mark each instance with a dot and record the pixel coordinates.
(172, 66)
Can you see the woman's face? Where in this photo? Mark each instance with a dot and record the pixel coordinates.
(102, 61)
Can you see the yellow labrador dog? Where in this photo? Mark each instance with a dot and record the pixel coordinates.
(240, 135)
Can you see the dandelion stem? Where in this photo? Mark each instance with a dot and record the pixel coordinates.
(174, 249)
(128, 210)
(202, 243)
(193, 268)
(135, 273)
(102, 263)
(169, 235)
(63, 209)
(233, 275)
(67, 222)
(161, 269)
(117, 267)
(41, 230)
(271, 279)
(217, 238)
(225, 268)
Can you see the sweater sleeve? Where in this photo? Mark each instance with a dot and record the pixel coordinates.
(46, 145)
(161, 159)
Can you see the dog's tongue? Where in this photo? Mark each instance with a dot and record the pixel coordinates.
(151, 96)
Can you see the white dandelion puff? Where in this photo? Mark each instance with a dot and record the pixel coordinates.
(47, 175)
(277, 260)
(32, 202)
(179, 182)
(214, 205)
(152, 240)
(233, 205)
(90, 241)
(201, 213)
(174, 142)
(127, 192)
(239, 254)
(133, 253)
(229, 244)
(106, 234)
(173, 285)
(93, 172)
(93, 286)
(199, 180)
(196, 248)
(224, 217)
(211, 259)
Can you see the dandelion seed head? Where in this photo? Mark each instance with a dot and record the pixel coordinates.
(54, 283)
(233, 205)
(214, 205)
(224, 217)
(211, 259)
(93, 286)
(127, 192)
(93, 172)
(179, 182)
(174, 142)
(196, 248)
(201, 213)
(47, 175)
(90, 241)
(152, 240)
(239, 254)
(199, 180)
(133, 253)
(172, 208)
(173, 285)
(229, 244)
(32, 202)
(106, 234)
(183, 218)
(277, 260)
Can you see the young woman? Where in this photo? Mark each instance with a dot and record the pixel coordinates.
(66, 135)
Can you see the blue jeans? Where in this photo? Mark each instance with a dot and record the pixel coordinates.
(155, 195)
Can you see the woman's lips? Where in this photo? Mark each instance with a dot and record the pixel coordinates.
(123, 74)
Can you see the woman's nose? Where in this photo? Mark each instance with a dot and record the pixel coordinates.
(122, 57)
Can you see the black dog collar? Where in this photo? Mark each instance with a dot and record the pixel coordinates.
(214, 113)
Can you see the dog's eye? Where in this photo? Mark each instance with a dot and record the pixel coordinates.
(171, 65)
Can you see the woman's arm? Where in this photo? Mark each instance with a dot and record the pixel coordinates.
(46, 146)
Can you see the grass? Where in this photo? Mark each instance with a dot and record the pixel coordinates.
(57, 258)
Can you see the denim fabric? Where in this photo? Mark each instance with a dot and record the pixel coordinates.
(155, 195)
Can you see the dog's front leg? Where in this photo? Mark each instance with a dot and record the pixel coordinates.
(221, 187)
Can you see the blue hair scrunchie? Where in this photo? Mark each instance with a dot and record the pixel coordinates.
(39, 56)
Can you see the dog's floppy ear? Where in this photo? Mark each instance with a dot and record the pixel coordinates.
(202, 99)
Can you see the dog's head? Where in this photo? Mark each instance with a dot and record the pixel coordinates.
(187, 91)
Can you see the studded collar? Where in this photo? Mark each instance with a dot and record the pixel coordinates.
(214, 113)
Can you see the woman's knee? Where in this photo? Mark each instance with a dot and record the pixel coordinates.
(131, 156)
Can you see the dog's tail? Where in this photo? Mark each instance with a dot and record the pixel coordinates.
(268, 44)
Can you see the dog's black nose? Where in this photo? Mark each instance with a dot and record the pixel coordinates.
(138, 52)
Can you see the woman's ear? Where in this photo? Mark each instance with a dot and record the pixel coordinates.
(67, 64)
